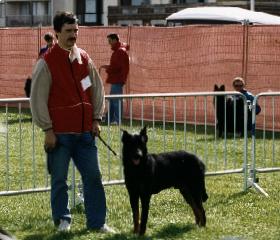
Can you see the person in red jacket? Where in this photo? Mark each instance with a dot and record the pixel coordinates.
(67, 103)
(117, 73)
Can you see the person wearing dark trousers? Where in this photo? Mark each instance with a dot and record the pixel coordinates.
(67, 103)
(117, 72)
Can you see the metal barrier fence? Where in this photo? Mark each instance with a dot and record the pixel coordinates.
(23, 158)
(266, 158)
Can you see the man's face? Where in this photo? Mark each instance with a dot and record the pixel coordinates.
(238, 86)
(111, 41)
(68, 35)
(50, 43)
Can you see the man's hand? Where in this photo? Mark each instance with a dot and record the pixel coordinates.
(96, 128)
(50, 140)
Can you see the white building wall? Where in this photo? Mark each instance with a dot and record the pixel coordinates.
(107, 3)
(63, 5)
(160, 1)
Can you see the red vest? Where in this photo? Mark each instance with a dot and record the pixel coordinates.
(70, 107)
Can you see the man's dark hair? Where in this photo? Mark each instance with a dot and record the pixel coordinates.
(61, 18)
(48, 36)
(113, 36)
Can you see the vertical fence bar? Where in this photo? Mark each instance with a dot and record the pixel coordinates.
(108, 139)
(20, 147)
(142, 112)
(153, 117)
(130, 112)
(264, 133)
(253, 163)
(215, 137)
(73, 185)
(163, 123)
(245, 106)
(120, 109)
(205, 131)
(7, 150)
(195, 99)
(174, 123)
(225, 134)
(273, 130)
(234, 131)
(185, 123)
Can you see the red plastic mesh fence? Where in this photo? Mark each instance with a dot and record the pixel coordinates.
(182, 59)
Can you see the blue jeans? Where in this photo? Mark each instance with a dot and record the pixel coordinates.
(115, 104)
(82, 149)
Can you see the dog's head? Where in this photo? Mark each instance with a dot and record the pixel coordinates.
(134, 147)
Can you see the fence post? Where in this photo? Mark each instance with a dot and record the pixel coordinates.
(252, 178)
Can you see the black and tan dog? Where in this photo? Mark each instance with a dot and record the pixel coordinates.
(147, 174)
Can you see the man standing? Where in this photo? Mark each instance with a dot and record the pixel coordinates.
(49, 38)
(67, 103)
(117, 75)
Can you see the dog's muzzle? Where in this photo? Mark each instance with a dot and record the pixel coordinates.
(137, 157)
(136, 162)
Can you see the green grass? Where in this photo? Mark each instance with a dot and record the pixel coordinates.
(231, 213)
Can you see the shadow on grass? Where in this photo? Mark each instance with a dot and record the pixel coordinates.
(227, 200)
(171, 231)
(57, 235)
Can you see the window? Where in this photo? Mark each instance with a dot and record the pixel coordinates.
(134, 2)
(1, 9)
(139, 2)
(40, 8)
(24, 8)
(90, 11)
(187, 1)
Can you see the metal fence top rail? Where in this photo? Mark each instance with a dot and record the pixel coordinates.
(181, 94)
(13, 100)
(268, 94)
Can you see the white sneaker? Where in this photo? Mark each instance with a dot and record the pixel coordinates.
(64, 226)
(106, 229)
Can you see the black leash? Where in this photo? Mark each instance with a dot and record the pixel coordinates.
(102, 140)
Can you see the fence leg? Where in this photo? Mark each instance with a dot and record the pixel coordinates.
(251, 182)
(73, 186)
(252, 179)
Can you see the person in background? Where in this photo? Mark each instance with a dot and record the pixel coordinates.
(239, 86)
(49, 38)
(27, 86)
(67, 103)
(117, 72)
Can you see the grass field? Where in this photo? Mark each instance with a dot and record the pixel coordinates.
(231, 213)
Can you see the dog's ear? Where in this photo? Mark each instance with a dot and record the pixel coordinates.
(223, 88)
(143, 134)
(216, 88)
(125, 136)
